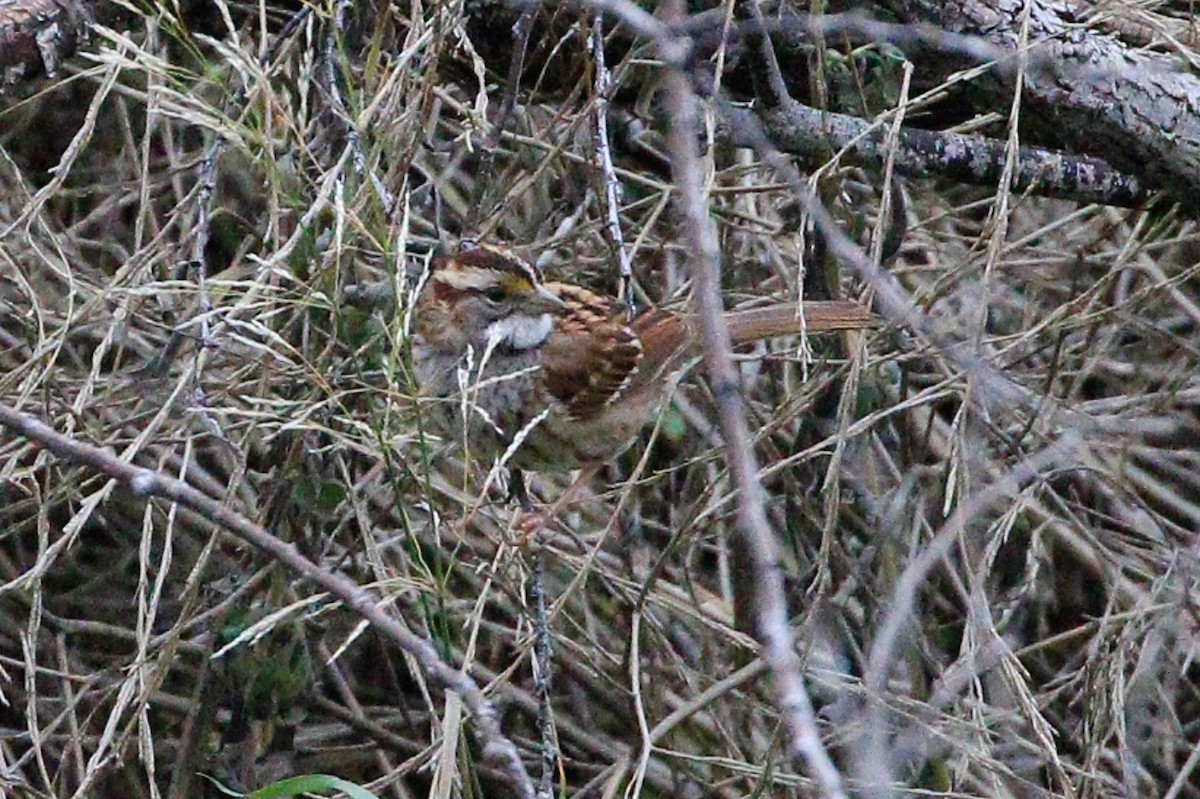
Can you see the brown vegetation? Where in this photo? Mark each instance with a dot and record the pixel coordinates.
(986, 511)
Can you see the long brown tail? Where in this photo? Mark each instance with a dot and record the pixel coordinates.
(668, 338)
(816, 316)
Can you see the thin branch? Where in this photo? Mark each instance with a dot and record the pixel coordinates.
(754, 531)
(333, 75)
(903, 600)
(542, 672)
(611, 187)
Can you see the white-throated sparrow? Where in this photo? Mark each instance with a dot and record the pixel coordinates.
(555, 376)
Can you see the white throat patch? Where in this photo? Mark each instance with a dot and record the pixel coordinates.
(519, 331)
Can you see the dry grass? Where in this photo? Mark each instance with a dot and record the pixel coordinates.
(1048, 648)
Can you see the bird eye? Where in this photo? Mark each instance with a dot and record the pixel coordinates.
(495, 293)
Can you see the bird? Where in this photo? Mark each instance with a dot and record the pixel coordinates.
(551, 376)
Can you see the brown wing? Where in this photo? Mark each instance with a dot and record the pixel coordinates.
(591, 355)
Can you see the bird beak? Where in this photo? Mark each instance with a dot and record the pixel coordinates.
(545, 300)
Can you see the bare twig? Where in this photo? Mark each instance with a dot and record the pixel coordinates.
(512, 84)
(883, 657)
(542, 672)
(333, 74)
(206, 186)
(754, 531)
(608, 175)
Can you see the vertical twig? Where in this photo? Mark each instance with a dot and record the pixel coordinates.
(541, 673)
(608, 175)
(338, 105)
(754, 531)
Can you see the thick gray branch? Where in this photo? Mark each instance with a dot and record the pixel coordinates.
(1138, 110)
(813, 135)
(36, 35)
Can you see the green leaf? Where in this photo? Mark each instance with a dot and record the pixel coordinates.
(310, 783)
(297, 786)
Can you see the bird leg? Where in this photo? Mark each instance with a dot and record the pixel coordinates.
(531, 523)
